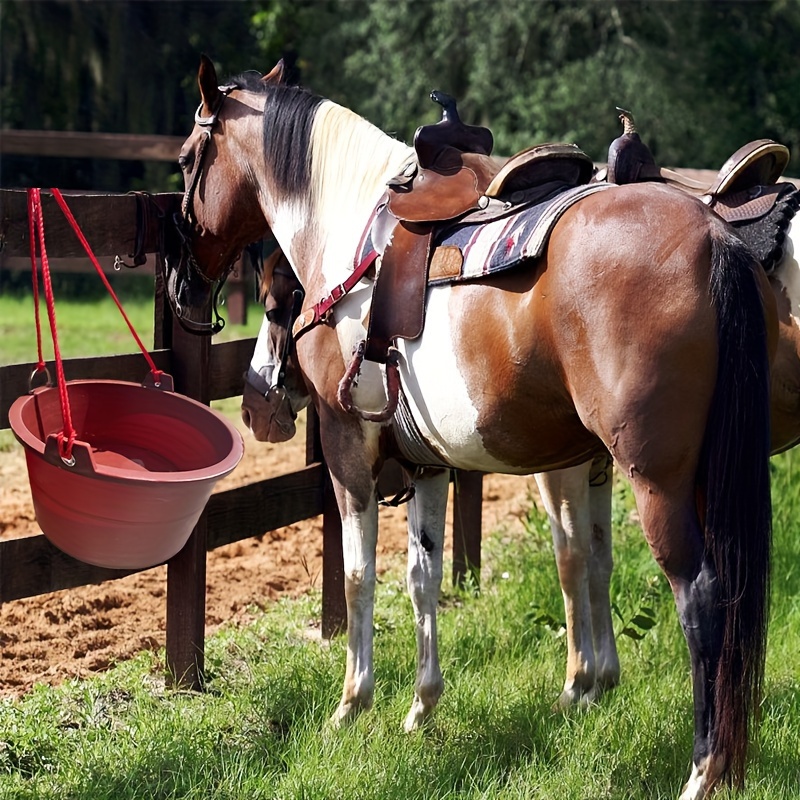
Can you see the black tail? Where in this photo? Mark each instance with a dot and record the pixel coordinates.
(738, 530)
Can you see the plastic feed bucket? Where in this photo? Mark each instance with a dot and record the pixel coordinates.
(146, 461)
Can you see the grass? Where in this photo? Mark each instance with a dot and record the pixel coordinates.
(88, 328)
(260, 730)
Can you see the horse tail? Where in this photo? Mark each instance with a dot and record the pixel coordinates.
(738, 524)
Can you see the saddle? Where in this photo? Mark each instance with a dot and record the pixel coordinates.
(454, 176)
(746, 192)
(737, 193)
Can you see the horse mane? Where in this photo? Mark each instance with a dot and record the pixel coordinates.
(343, 144)
(288, 117)
(313, 148)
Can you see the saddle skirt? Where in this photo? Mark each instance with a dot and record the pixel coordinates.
(473, 250)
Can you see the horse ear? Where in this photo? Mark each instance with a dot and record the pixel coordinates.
(208, 83)
(276, 75)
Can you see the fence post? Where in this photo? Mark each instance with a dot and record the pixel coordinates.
(186, 571)
(467, 521)
(334, 605)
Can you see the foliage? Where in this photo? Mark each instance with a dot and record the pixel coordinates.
(701, 78)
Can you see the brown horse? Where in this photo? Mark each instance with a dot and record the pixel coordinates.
(577, 499)
(640, 332)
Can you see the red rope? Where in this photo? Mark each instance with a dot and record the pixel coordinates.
(36, 231)
(79, 233)
(67, 435)
(32, 204)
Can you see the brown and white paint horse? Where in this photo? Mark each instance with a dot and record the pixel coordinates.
(576, 499)
(640, 332)
(579, 509)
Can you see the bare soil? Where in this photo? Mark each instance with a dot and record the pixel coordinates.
(77, 632)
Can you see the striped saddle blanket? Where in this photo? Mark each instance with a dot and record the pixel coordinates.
(470, 250)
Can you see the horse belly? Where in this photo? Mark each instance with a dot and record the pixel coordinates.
(491, 428)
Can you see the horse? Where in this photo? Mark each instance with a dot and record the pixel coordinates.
(577, 500)
(644, 331)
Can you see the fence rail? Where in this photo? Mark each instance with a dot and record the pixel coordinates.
(205, 372)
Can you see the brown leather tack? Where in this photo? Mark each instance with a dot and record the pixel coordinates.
(446, 263)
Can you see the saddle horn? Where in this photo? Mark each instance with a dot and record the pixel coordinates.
(450, 131)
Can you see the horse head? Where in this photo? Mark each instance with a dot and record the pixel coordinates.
(220, 213)
(274, 390)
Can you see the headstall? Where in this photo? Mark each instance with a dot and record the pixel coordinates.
(183, 227)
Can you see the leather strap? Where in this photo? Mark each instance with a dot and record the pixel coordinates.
(398, 300)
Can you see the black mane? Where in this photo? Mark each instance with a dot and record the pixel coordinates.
(288, 116)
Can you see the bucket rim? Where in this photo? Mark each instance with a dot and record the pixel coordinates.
(37, 447)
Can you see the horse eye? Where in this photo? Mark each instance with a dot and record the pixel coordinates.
(184, 162)
(272, 315)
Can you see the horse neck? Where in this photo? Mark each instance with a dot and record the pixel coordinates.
(351, 162)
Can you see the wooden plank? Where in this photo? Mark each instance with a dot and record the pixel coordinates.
(186, 571)
(229, 362)
(186, 611)
(467, 521)
(108, 222)
(85, 144)
(334, 604)
(257, 508)
(80, 266)
(31, 565)
(14, 378)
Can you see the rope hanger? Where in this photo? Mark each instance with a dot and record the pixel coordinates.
(67, 435)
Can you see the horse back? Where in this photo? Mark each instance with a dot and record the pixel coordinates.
(613, 324)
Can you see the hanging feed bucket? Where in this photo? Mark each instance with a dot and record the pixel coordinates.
(144, 463)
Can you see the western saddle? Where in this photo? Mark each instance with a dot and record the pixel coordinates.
(454, 175)
(455, 178)
(746, 187)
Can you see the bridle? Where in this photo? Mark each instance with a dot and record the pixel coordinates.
(298, 295)
(184, 222)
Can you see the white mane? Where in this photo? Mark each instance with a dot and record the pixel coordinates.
(351, 160)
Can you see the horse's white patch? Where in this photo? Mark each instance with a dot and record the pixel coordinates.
(264, 360)
(788, 271)
(437, 393)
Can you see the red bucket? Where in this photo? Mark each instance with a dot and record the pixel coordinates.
(144, 464)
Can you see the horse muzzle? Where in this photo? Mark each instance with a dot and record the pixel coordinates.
(269, 416)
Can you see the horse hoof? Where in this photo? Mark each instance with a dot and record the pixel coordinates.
(574, 698)
(346, 714)
(703, 779)
(416, 716)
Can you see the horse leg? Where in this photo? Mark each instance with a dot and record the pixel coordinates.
(672, 529)
(426, 518)
(565, 493)
(600, 565)
(359, 541)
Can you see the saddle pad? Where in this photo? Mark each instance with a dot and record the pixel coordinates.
(473, 250)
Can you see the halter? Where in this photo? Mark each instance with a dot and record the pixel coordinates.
(183, 225)
(298, 296)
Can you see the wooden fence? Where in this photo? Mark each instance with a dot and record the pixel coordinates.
(205, 371)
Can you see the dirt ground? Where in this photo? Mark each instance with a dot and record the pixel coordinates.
(77, 632)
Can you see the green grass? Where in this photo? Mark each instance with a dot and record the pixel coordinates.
(261, 731)
(88, 328)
